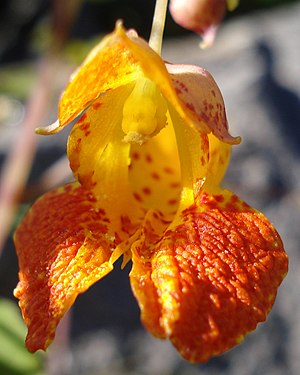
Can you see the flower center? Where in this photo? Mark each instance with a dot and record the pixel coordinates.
(144, 112)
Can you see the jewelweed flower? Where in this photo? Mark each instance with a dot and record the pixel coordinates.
(149, 149)
(201, 16)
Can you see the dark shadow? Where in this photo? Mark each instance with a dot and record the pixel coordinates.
(8, 271)
(282, 102)
(108, 304)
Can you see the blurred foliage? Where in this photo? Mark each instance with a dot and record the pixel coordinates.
(17, 80)
(22, 210)
(22, 22)
(14, 357)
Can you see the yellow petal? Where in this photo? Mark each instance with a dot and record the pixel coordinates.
(219, 155)
(155, 173)
(64, 244)
(166, 170)
(193, 152)
(99, 157)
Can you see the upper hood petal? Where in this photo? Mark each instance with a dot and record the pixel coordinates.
(124, 57)
(200, 94)
(107, 66)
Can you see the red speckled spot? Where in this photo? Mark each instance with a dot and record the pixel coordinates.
(172, 202)
(175, 185)
(155, 176)
(82, 118)
(190, 106)
(85, 128)
(146, 190)
(97, 105)
(137, 197)
(168, 170)
(148, 158)
(135, 156)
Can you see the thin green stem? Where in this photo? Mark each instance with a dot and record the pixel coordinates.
(158, 25)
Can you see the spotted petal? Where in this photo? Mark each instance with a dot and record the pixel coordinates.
(189, 89)
(109, 65)
(211, 279)
(64, 244)
(200, 94)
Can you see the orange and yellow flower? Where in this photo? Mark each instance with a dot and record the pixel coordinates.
(149, 149)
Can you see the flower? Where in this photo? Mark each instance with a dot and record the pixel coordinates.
(201, 16)
(149, 150)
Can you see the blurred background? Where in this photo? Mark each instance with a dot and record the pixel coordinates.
(255, 61)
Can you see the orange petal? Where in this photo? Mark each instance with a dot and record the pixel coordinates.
(199, 103)
(63, 246)
(215, 276)
(147, 294)
(108, 66)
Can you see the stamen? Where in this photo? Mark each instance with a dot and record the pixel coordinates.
(158, 25)
(144, 112)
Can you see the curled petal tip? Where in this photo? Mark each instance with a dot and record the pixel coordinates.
(119, 29)
(208, 37)
(236, 140)
(50, 129)
(121, 32)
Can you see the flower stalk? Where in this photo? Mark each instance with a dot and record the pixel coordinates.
(158, 25)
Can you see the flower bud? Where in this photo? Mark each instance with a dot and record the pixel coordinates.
(201, 16)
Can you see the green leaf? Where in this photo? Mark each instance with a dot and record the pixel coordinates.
(14, 357)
